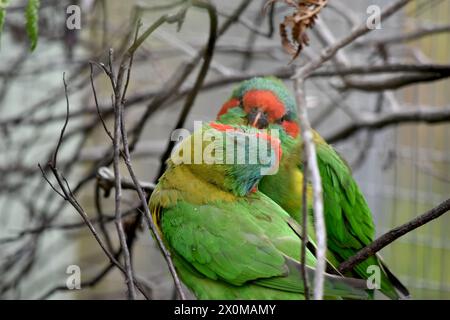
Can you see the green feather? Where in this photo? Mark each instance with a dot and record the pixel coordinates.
(229, 245)
(3, 5)
(348, 218)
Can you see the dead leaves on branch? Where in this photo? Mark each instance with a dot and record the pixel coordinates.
(304, 16)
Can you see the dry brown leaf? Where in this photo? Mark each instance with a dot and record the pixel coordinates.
(302, 19)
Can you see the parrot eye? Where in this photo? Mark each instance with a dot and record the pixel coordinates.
(280, 120)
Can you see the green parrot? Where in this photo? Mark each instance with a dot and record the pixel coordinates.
(265, 103)
(227, 239)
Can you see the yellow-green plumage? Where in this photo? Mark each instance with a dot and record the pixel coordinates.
(233, 244)
(348, 218)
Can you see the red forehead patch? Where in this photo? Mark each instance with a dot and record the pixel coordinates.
(228, 105)
(265, 100)
(274, 142)
(221, 127)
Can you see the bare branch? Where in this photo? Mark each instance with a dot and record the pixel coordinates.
(118, 104)
(393, 235)
(361, 30)
(207, 58)
(392, 83)
(65, 122)
(316, 182)
(106, 180)
(427, 115)
(305, 238)
(408, 37)
(68, 195)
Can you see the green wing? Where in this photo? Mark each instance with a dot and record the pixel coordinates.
(346, 210)
(348, 218)
(246, 241)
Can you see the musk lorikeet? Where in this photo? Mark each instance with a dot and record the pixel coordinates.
(227, 239)
(266, 103)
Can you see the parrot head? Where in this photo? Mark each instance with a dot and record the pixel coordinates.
(263, 102)
(234, 158)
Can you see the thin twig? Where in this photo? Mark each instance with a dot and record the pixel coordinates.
(316, 182)
(129, 279)
(402, 38)
(178, 79)
(121, 129)
(99, 113)
(392, 83)
(304, 228)
(106, 179)
(207, 58)
(138, 188)
(426, 115)
(361, 30)
(68, 195)
(393, 235)
(55, 154)
(282, 73)
(101, 216)
(148, 217)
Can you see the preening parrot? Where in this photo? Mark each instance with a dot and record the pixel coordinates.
(227, 239)
(266, 103)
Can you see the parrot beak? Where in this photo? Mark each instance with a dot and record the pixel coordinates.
(255, 121)
(256, 118)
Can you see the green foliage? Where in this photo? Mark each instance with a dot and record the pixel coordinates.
(3, 5)
(32, 19)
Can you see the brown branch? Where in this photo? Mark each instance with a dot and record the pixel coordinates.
(148, 217)
(101, 215)
(106, 180)
(99, 112)
(142, 197)
(118, 104)
(207, 58)
(385, 68)
(392, 83)
(282, 73)
(120, 131)
(68, 195)
(426, 115)
(393, 235)
(408, 37)
(179, 78)
(66, 121)
(46, 214)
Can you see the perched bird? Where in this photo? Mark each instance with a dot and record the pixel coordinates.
(227, 239)
(266, 103)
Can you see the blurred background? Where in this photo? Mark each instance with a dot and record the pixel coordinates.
(403, 169)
